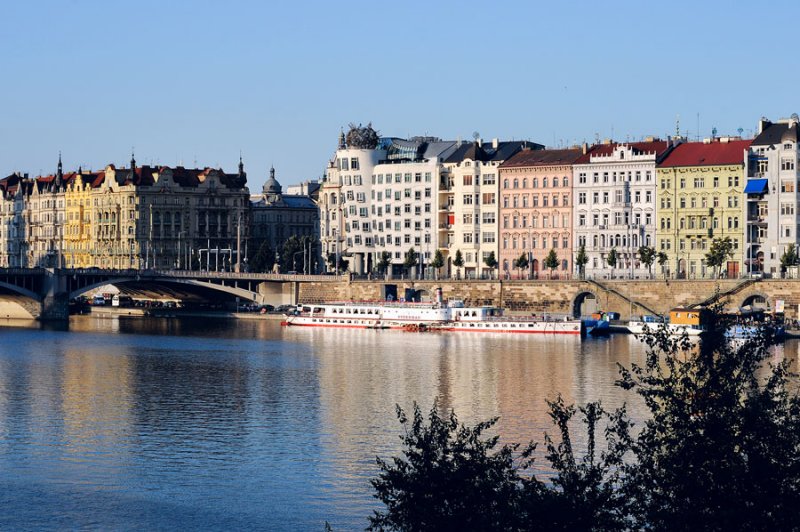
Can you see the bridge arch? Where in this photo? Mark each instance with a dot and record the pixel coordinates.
(584, 303)
(21, 291)
(241, 293)
(756, 300)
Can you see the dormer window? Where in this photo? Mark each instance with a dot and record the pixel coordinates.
(621, 154)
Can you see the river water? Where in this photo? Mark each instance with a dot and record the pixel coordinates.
(153, 424)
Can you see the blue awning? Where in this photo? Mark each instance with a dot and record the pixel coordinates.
(756, 186)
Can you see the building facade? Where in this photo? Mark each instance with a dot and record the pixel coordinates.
(469, 203)
(139, 217)
(772, 194)
(615, 204)
(381, 195)
(275, 216)
(536, 211)
(700, 199)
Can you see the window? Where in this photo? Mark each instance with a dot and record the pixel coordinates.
(582, 198)
(467, 238)
(354, 163)
(488, 218)
(467, 180)
(787, 209)
(699, 182)
(544, 182)
(582, 178)
(467, 199)
(468, 219)
(787, 164)
(488, 237)
(489, 179)
(787, 186)
(489, 198)
(582, 220)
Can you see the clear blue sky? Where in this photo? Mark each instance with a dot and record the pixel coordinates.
(201, 80)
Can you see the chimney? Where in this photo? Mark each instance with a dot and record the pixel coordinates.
(495, 143)
(584, 148)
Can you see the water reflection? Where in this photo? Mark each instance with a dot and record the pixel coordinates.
(138, 423)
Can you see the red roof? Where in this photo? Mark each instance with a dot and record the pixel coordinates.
(657, 147)
(710, 154)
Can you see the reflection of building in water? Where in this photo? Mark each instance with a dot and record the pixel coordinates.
(96, 399)
(363, 373)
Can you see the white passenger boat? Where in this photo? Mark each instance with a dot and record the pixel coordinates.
(427, 317)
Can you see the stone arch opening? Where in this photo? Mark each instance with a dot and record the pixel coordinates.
(756, 301)
(421, 295)
(584, 304)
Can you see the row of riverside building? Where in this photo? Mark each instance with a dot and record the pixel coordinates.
(518, 198)
(145, 217)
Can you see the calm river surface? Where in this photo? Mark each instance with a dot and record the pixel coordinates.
(200, 424)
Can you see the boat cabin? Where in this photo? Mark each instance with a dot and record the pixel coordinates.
(687, 316)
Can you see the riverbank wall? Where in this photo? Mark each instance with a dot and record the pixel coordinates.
(628, 297)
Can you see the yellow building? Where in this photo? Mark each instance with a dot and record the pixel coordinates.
(78, 235)
(700, 198)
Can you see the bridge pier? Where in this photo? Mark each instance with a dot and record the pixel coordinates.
(55, 300)
(55, 308)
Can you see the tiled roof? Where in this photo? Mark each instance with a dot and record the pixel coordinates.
(706, 154)
(487, 152)
(543, 158)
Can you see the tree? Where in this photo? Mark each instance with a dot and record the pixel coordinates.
(264, 258)
(450, 477)
(438, 261)
(647, 254)
(720, 414)
(410, 259)
(718, 451)
(491, 262)
(789, 257)
(551, 261)
(384, 262)
(720, 251)
(581, 259)
(521, 263)
(611, 260)
(458, 262)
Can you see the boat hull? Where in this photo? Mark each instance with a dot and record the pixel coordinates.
(569, 327)
(673, 329)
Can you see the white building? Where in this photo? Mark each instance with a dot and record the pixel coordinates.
(614, 198)
(771, 191)
(382, 195)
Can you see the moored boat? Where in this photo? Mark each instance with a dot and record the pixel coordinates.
(681, 321)
(454, 317)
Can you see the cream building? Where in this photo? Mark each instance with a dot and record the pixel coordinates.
(469, 203)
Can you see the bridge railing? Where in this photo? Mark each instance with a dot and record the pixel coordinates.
(195, 274)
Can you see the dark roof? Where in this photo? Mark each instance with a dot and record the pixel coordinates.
(706, 154)
(543, 158)
(777, 133)
(659, 147)
(487, 152)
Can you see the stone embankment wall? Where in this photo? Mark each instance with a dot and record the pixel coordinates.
(623, 296)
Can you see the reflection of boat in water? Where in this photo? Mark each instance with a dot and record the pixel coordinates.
(418, 317)
(681, 321)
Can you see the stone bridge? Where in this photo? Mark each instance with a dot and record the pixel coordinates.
(576, 297)
(44, 293)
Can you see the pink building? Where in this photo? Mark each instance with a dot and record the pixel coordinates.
(535, 213)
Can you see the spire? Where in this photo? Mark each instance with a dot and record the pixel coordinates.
(57, 182)
(241, 165)
(133, 166)
(342, 144)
